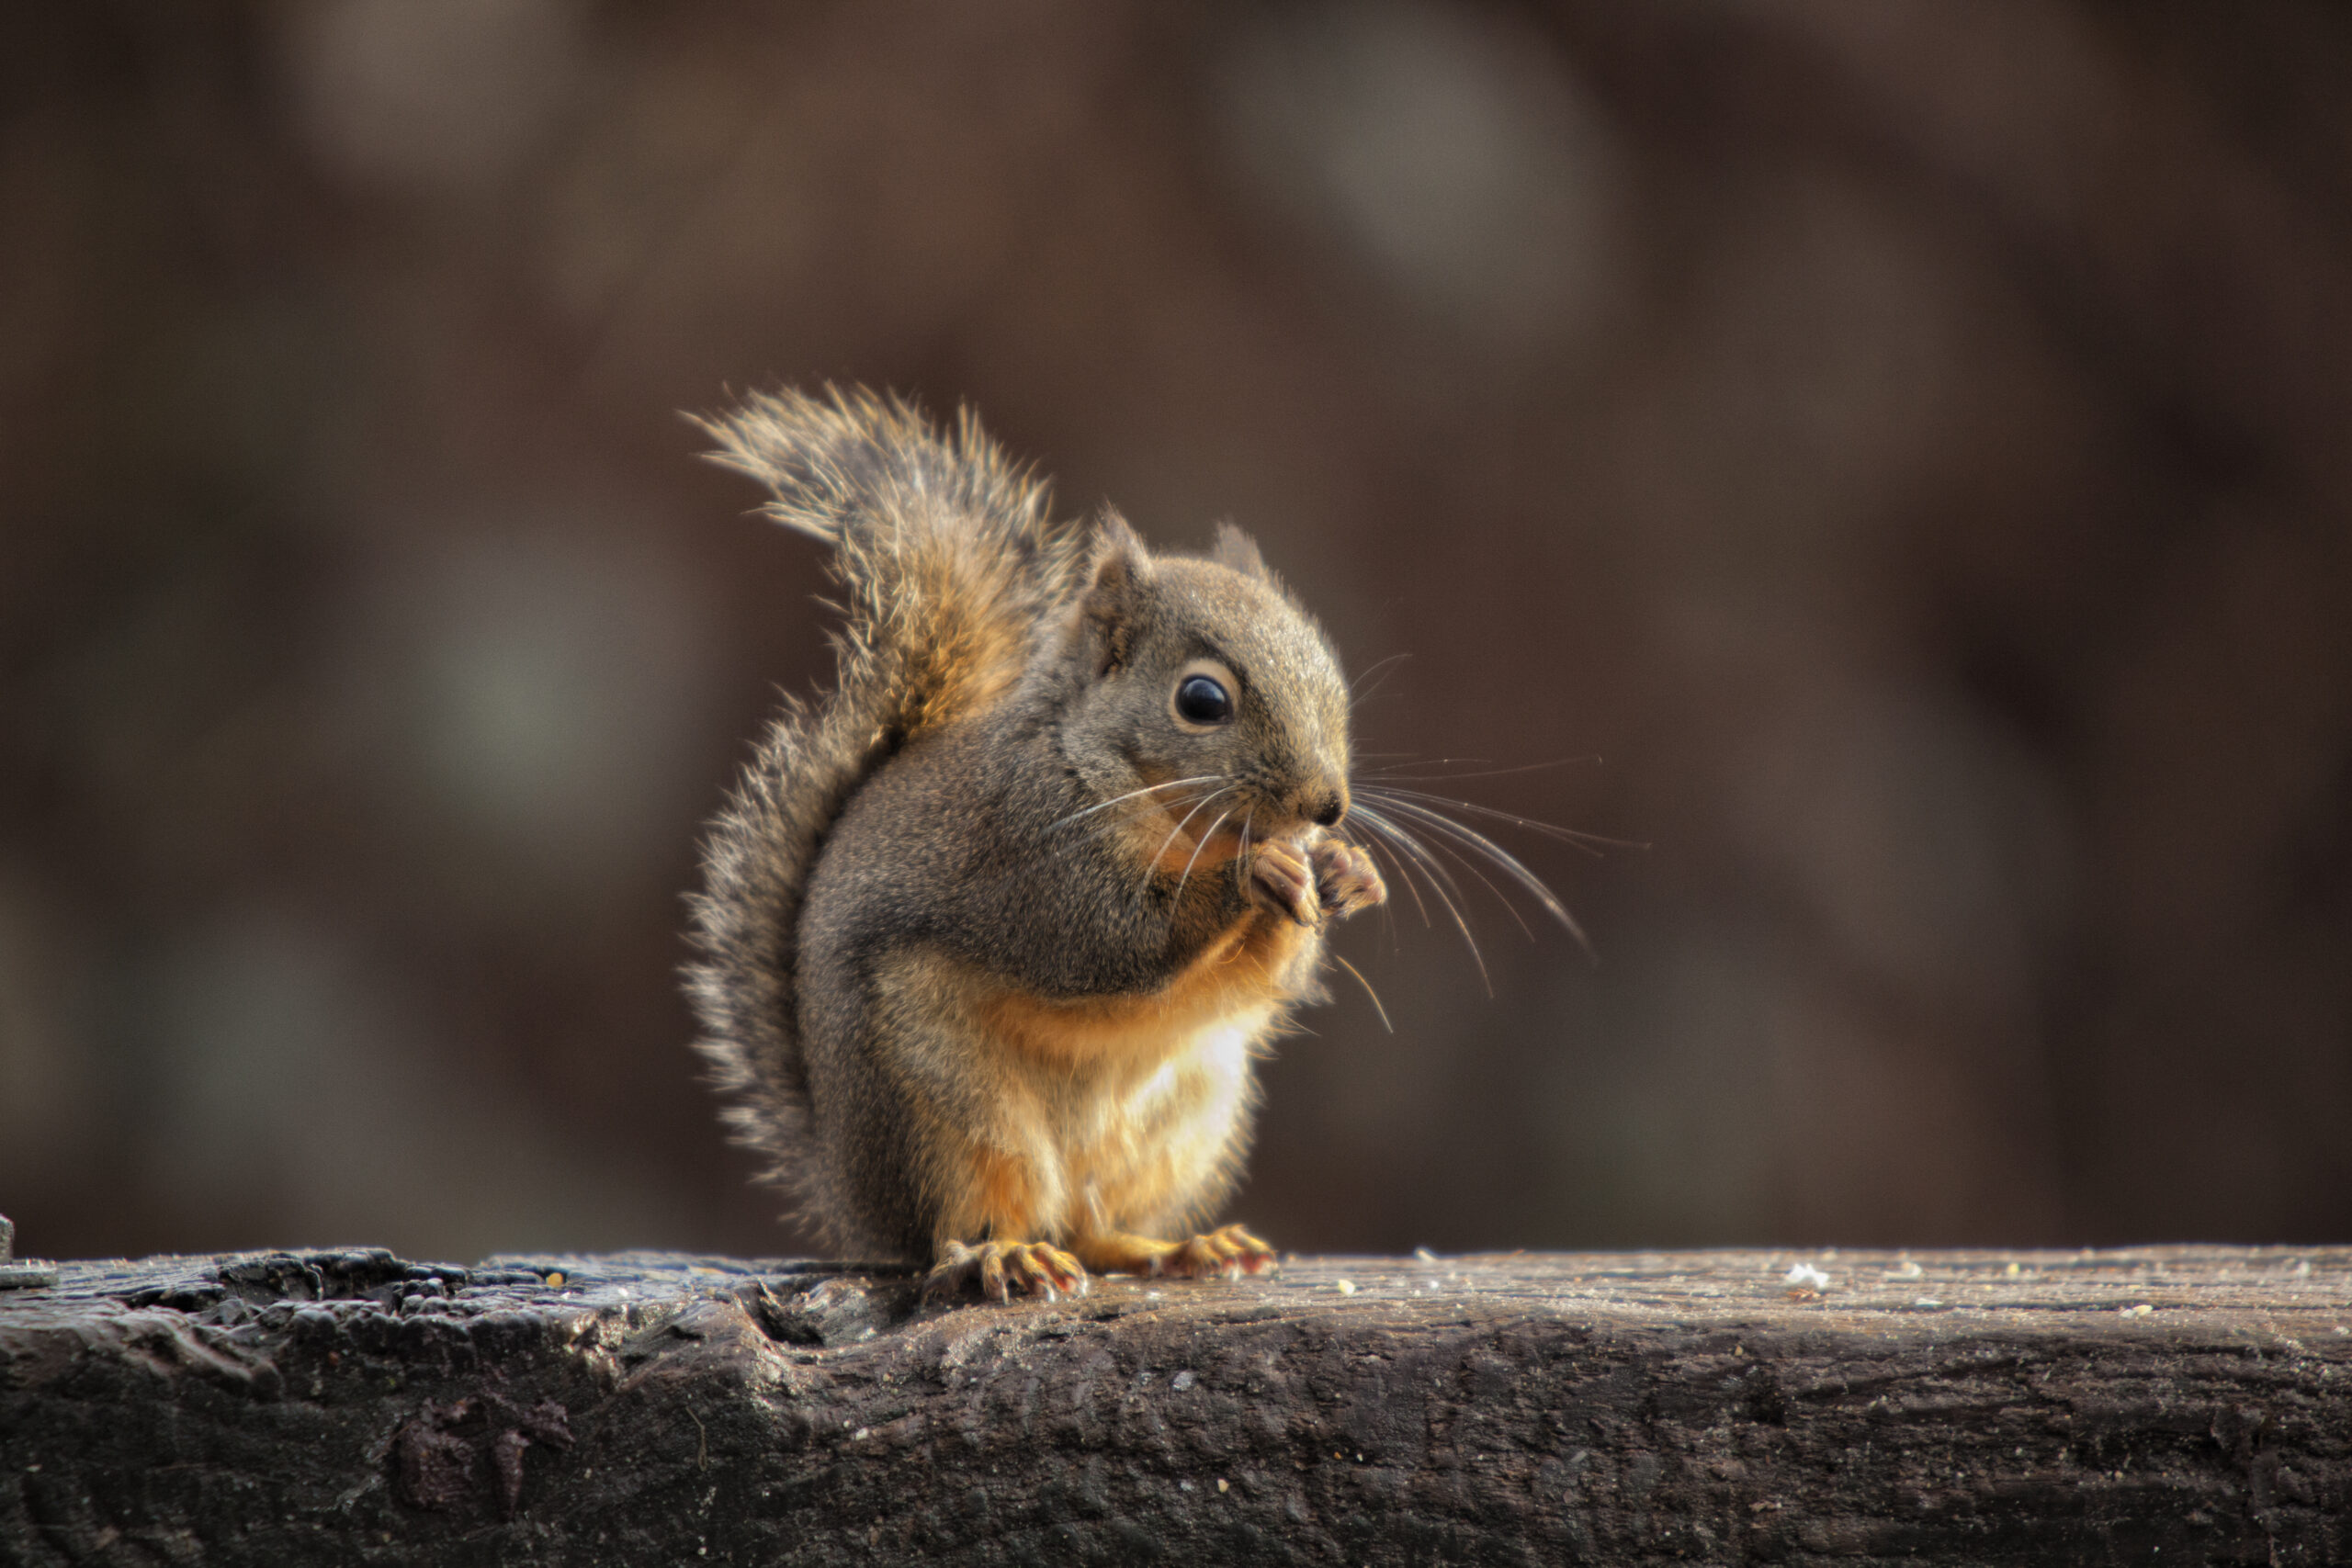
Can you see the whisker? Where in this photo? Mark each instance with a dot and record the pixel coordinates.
(1502, 859)
(1439, 877)
(1411, 844)
(1382, 668)
(1133, 813)
(1093, 832)
(1106, 805)
(1152, 865)
(1397, 770)
(1423, 762)
(1462, 861)
(1202, 843)
(1367, 991)
(1585, 842)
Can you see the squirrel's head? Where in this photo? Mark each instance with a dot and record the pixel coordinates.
(1206, 670)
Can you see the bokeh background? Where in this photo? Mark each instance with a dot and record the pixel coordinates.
(1893, 462)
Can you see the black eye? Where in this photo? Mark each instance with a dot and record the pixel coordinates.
(1202, 701)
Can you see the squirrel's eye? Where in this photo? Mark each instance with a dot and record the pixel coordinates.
(1202, 701)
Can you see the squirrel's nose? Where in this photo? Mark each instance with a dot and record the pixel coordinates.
(1332, 809)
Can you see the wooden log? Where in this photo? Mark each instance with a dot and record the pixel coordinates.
(2162, 1405)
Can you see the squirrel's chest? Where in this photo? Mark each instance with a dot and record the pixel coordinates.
(1240, 981)
(1141, 1102)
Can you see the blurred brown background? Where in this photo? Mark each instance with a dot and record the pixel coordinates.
(1909, 448)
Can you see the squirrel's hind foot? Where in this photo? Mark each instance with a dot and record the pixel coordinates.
(999, 1267)
(1231, 1251)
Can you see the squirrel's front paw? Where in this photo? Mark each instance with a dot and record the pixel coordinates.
(999, 1267)
(1283, 880)
(1346, 879)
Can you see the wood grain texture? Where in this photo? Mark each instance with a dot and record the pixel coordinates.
(2165, 1405)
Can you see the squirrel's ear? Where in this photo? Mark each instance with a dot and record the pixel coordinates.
(1115, 584)
(1237, 550)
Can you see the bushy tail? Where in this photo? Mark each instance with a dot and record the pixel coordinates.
(951, 566)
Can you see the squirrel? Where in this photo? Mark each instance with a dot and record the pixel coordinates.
(991, 932)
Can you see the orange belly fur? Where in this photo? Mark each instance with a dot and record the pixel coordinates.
(1122, 1112)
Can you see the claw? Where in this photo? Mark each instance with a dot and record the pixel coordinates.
(997, 1268)
(992, 1283)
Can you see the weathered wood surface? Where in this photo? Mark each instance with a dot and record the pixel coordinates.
(2171, 1405)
